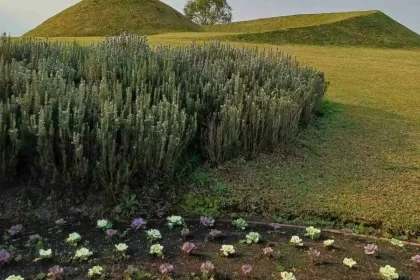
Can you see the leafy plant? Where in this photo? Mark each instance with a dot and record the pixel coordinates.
(132, 273)
(240, 224)
(201, 205)
(128, 205)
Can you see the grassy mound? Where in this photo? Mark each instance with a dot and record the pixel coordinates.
(364, 29)
(283, 23)
(113, 17)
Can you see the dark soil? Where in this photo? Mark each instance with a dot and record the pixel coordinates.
(327, 266)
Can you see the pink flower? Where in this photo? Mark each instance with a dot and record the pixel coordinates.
(275, 226)
(111, 232)
(4, 256)
(207, 267)
(416, 259)
(246, 269)
(370, 249)
(268, 251)
(166, 268)
(188, 247)
(207, 221)
(55, 272)
(15, 230)
(313, 253)
(138, 223)
(214, 233)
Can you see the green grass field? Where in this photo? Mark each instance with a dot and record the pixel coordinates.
(361, 162)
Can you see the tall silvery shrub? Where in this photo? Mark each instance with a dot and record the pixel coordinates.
(119, 112)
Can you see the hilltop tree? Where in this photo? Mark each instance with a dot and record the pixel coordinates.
(208, 12)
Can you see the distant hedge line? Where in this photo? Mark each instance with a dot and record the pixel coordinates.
(120, 111)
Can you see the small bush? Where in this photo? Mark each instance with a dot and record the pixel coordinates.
(120, 111)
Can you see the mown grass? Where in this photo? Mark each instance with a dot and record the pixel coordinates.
(366, 30)
(113, 17)
(360, 162)
(283, 23)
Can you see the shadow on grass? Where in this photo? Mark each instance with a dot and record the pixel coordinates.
(352, 164)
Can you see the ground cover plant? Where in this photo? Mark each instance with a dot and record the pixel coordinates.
(272, 254)
(120, 111)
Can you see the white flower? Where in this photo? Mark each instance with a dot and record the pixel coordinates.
(349, 262)
(153, 234)
(83, 254)
(312, 232)
(73, 238)
(102, 224)
(122, 247)
(95, 271)
(397, 242)
(388, 273)
(328, 243)
(14, 277)
(175, 221)
(287, 276)
(228, 250)
(296, 240)
(45, 254)
(253, 237)
(157, 250)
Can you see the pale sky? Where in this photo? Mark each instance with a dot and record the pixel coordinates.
(19, 16)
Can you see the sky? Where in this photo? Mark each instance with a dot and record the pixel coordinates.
(19, 16)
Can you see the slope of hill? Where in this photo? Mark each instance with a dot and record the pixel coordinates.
(113, 17)
(364, 29)
(283, 22)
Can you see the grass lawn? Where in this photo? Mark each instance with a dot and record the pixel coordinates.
(360, 162)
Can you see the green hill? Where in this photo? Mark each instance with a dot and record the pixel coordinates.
(113, 17)
(364, 29)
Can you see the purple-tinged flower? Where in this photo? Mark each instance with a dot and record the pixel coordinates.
(268, 251)
(275, 226)
(207, 267)
(214, 233)
(246, 269)
(4, 256)
(370, 249)
(416, 259)
(15, 230)
(188, 247)
(313, 253)
(185, 232)
(138, 223)
(207, 221)
(111, 232)
(55, 272)
(166, 268)
(34, 237)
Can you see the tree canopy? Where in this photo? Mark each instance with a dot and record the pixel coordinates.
(208, 12)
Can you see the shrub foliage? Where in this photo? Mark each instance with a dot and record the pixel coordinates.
(120, 111)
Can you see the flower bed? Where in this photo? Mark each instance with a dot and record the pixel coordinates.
(258, 252)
